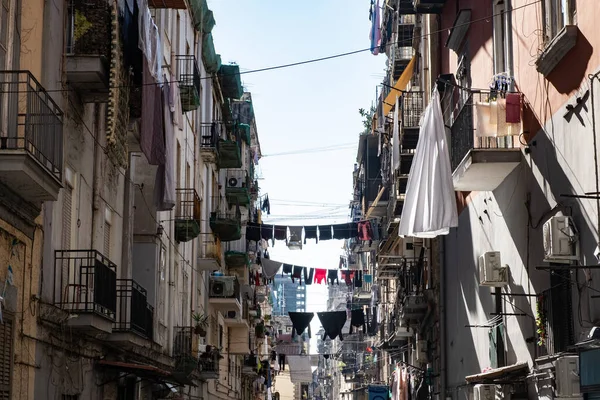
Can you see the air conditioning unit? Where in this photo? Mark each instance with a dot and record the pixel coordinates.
(484, 392)
(408, 249)
(235, 182)
(567, 376)
(414, 307)
(560, 240)
(222, 286)
(491, 271)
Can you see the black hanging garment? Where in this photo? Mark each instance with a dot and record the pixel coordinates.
(280, 232)
(309, 275)
(300, 321)
(310, 232)
(332, 277)
(297, 273)
(345, 231)
(357, 320)
(287, 269)
(332, 322)
(358, 279)
(325, 233)
(266, 205)
(253, 231)
(266, 232)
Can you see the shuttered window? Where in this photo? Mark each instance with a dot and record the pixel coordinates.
(107, 229)
(6, 354)
(67, 217)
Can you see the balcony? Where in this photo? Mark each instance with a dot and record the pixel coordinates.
(85, 285)
(189, 82)
(189, 361)
(225, 294)
(209, 142)
(480, 163)
(237, 187)
(239, 334)
(249, 366)
(429, 6)
(31, 139)
(230, 80)
(227, 226)
(400, 59)
(211, 259)
(88, 48)
(230, 155)
(134, 314)
(406, 7)
(187, 215)
(236, 255)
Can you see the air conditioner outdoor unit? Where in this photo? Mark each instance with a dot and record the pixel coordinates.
(231, 314)
(484, 392)
(408, 249)
(222, 286)
(560, 240)
(567, 376)
(491, 271)
(235, 182)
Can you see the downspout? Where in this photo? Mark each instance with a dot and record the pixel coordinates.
(508, 42)
(441, 250)
(592, 78)
(95, 178)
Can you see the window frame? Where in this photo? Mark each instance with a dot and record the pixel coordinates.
(557, 14)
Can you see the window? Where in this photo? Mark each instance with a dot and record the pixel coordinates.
(557, 14)
(6, 354)
(499, 37)
(4, 25)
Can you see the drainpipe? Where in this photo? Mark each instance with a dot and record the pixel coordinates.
(441, 250)
(95, 178)
(592, 78)
(508, 42)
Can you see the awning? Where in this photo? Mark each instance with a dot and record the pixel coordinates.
(498, 375)
(146, 371)
(400, 85)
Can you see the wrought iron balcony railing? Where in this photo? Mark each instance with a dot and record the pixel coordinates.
(133, 311)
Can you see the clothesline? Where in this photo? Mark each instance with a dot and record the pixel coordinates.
(309, 276)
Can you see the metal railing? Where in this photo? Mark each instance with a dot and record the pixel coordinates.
(209, 136)
(189, 74)
(412, 109)
(188, 204)
(30, 120)
(463, 137)
(133, 311)
(85, 281)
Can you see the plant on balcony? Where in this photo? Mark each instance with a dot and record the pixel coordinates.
(259, 330)
(201, 321)
(540, 321)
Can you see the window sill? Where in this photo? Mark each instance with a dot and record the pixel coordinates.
(558, 47)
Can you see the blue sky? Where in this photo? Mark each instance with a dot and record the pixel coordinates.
(303, 107)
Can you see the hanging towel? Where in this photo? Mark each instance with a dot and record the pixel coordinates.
(332, 276)
(151, 136)
(325, 233)
(253, 231)
(266, 232)
(365, 230)
(513, 108)
(287, 269)
(280, 232)
(309, 275)
(270, 268)
(333, 323)
(320, 275)
(310, 232)
(504, 127)
(295, 236)
(357, 320)
(300, 321)
(164, 186)
(297, 273)
(368, 278)
(486, 125)
(375, 34)
(358, 279)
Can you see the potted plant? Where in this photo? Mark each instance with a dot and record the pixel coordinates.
(201, 321)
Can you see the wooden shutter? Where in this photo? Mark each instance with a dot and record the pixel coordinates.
(6, 354)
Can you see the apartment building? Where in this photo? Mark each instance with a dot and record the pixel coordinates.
(505, 304)
(128, 169)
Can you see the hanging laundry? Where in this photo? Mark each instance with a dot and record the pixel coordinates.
(152, 140)
(368, 278)
(358, 279)
(375, 34)
(300, 321)
(295, 240)
(287, 269)
(270, 268)
(297, 273)
(310, 232)
(325, 233)
(486, 125)
(308, 275)
(506, 128)
(513, 108)
(332, 277)
(333, 322)
(357, 320)
(365, 230)
(253, 231)
(266, 232)
(347, 277)
(266, 205)
(164, 187)
(280, 232)
(320, 275)
(343, 263)
(345, 231)
(375, 295)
